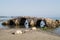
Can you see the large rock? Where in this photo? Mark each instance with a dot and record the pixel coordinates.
(5, 23)
(58, 22)
(50, 23)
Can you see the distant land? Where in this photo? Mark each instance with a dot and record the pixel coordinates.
(18, 16)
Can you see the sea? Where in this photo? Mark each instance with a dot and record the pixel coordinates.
(5, 18)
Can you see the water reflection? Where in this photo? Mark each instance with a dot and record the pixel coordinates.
(57, 31)
(3, 27)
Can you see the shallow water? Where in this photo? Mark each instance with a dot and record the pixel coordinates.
(56, 31)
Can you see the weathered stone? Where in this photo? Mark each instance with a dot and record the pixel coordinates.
(18, 32)
(34, 28)
(5, 23)
(58, 22)
(51, 23)
(33, 21)
(16, 22)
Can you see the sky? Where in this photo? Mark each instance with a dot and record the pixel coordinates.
(38, 8)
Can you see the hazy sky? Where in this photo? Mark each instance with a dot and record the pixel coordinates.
(40, 8)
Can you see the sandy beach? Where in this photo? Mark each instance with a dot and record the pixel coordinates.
(6, 34)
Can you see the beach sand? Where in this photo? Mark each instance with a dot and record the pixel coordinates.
(6, 34)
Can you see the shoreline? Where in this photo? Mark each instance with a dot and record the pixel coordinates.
(50, 32)
(31, 35)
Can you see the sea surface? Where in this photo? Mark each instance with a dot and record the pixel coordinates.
(2, 19)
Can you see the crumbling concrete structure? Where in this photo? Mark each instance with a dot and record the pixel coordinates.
(32, 21)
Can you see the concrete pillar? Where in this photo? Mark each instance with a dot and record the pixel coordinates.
(32, 23)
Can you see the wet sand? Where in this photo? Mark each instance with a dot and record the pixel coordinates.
(6, 34)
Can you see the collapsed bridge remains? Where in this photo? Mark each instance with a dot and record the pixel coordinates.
(32, 22)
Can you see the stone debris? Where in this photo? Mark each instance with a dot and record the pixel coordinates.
(24, 31)
(18, 32)
(34, 28)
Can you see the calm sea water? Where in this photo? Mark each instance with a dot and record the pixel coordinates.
(2, 19)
